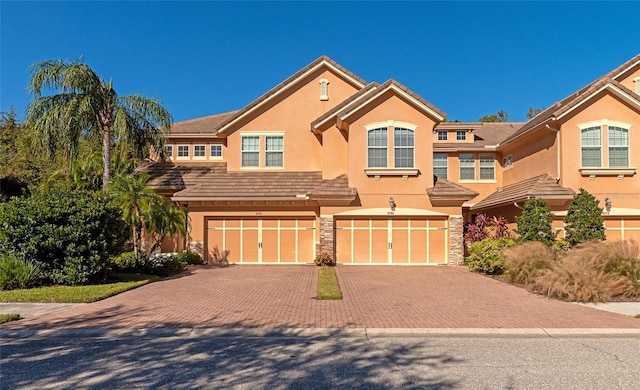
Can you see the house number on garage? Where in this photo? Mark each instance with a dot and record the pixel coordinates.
(258, 213)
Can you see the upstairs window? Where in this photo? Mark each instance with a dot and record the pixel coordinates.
(618, 147)
(183, 151)
(216, 151)
(377, 148)
(487, 167)
(440, 165)
(251, 151)
(274, 151)
(461, 135)
(443, 135)
(591, 146)
(507, 162)
(403, 142)
(199, 151)
(467, 167)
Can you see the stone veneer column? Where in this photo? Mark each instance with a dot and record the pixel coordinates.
(327, 243)
(456, 239)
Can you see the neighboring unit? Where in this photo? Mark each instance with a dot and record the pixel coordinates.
(373, 174)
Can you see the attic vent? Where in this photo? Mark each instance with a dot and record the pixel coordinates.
(324, 89)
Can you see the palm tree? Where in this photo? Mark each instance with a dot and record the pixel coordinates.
(136, 201)
(88, 107)
(165, 219)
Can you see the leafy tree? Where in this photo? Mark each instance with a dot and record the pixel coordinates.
(88, 107)
(135, 200)
(584, 220)
(533, 111)
(535, 222)
(71, 235)
(500, 116)
(164, 219)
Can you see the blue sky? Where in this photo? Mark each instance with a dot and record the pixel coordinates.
(202, 58)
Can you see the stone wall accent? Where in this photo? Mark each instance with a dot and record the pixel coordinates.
(327, 233)
(456, 239)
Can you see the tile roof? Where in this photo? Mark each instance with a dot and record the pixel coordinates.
(444, 189)
(286, 83)
(212, 180)
(204, 125)
(575, 99)
(371, 91)
(487, 134)
(542, 186)
(334, 188)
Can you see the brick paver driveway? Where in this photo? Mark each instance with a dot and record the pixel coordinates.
(284, 297)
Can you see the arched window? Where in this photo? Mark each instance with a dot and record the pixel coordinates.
(377, 148)
(324, 89)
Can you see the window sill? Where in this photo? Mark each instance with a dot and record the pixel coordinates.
(620, 172)
(261, 168)
(391, 171)
(479, 181)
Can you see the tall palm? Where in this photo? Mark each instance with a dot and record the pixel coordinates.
(135, 199)
(88, 107)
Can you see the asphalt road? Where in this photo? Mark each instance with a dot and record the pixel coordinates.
(320, 363)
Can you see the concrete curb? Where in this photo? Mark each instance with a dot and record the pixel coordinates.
(195, 333)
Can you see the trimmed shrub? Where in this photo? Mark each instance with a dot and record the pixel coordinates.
(535, 222)
(165, 264)
(584, 220)
(189, 257)
(593, 272)
(17, 273)
(125, 261)
(69, 234)
(525, 260)
(323, 259)
(487, 256)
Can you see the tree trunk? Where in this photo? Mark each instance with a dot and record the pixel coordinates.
(106, 156)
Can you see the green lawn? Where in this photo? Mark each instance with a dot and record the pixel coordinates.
(328, 287)
(119, 282)
(8, 318)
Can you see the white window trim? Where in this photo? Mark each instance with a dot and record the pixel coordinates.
(637, 81)
(211, 156)
(446, 166)
(493, 166)
(188, 156)
(262, 148)
(250, 151)
(438, 136)
(413, 147)
(628, 146)
(388, 170)
(378, 147)
(266, 153)
(168, 150)
(324, 89)
(204, 155)
(463, 132)
(507, 162)
(584, 127)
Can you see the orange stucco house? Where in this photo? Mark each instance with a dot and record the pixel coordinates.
(373, 174)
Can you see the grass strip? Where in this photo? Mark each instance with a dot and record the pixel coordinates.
(328, 286)
(9, 317)
(119, 282)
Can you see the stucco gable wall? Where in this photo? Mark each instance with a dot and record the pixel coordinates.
(533, 155)
(291, 113)
(603, 109)
(628, 79)
(409, 192)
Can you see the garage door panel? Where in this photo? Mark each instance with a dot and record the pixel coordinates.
(250, 245)
(437, 240)
(270, 244)
(232, 244)
(343, 244)
(361, 246)
(400, 246)
(379, 246)
(419, 252)
(306, 244)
